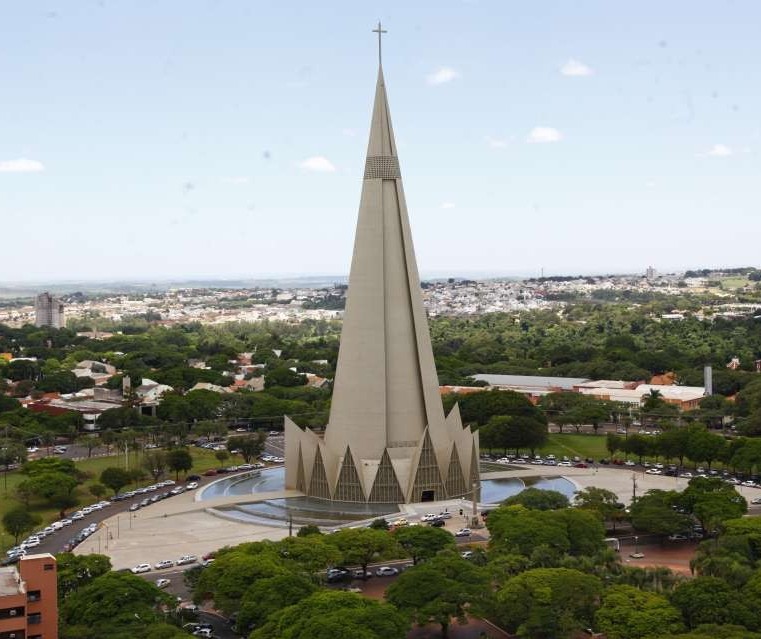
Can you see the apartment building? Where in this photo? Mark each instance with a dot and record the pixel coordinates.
(49, 311)
(29, 599)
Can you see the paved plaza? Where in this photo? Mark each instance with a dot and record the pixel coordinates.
(184, 526)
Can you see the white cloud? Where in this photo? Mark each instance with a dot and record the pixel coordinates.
(719, 151)
(442, 75)
(237, 179)
(574, 68)
(543, 135)
(495, 143)
(318, 164)
(448, 205)
(22, 165)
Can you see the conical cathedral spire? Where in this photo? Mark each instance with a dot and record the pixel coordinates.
(386, 403)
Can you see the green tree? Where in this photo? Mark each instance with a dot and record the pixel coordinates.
(547, 603)
(479, 408)
(248, 446)
(155, 462)
(115, 478)
(269, 595)
(380, 524)
(19, 521)
(114, 604)
(518, 529)
(222, 456)
(331, 614)
(98, 491)
(630, 613)
(438, 590)
(654, 512)
(89, 442)
(11, 453)
(423, 542)
(360, 546)
(56, 488)
(704, 446)
(712, 501)
(538, 499)
(284, 376)
(233, 572)
(705, 600)
(674, 444)
(75, 571)
(602, 501)
(179, 460)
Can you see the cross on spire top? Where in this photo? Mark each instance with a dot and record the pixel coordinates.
(380, 31)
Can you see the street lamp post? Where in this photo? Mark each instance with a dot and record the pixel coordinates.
(636, 544)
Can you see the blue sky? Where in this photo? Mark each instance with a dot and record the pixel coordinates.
(188, 138)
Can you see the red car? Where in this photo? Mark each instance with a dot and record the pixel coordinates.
(210, 472)
(581, 465)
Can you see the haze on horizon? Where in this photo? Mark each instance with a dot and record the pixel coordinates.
(226, 140)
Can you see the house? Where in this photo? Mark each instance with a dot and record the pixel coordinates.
(215, 388)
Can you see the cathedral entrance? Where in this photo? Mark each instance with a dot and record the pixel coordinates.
(428, 495)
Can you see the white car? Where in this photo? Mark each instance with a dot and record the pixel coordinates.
(192, 485)
(77, 516)
(141, 568)
(629, 462)
(386, 571)
(163, 583)
(755, 501)
(429, 517)
(565, 464)
(463, 532)
(164, 563)
(187, 559)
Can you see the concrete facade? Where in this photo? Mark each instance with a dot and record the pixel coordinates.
(49, 311)
(387, 439)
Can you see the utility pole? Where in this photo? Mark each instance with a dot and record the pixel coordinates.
(634, 487)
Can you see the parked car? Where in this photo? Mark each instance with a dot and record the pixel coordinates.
(463, 532)
(386, 571)
(163, 583)
(335, 575)
(164, 563)
(141, 568)
(437, 523)
(187, 559)
(678, 537)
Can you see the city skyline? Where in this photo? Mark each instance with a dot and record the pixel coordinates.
(578, 140)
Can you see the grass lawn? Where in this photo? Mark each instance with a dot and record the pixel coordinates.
(202, 460)
(573, 446)
(731, 283)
